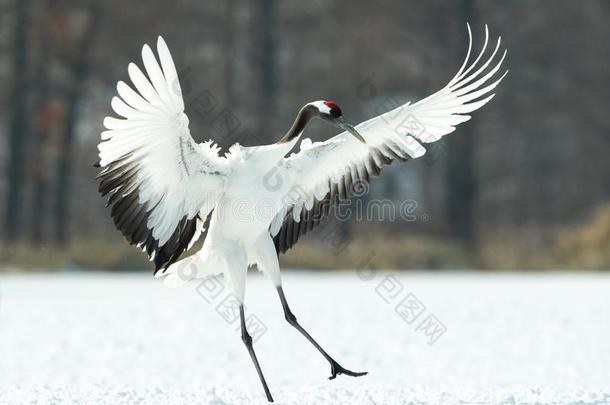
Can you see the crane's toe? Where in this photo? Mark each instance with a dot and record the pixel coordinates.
(336, 369)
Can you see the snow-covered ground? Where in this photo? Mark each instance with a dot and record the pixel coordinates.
(121, 339)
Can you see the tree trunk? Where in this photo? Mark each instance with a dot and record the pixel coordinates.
(40, 144)
(267, 62)
(460, 177)
(39, 197)
(81, 71)
(19, 126)
(229, 48)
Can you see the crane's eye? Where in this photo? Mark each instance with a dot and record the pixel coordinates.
(335, 111)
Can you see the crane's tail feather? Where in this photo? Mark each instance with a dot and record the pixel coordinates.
(187, 269)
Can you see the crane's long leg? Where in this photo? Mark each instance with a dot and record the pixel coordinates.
(335, 368)
(247, 339)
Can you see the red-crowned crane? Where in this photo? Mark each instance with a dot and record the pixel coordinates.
(167, 191)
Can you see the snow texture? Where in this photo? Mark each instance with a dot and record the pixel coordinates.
(74, 338)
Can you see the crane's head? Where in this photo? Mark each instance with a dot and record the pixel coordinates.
(329, 111)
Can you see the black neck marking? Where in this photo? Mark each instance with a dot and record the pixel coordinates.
(306, 114)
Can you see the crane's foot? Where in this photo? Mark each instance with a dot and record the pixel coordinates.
(336, 369)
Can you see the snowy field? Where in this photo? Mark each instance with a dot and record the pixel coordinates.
(126, 339)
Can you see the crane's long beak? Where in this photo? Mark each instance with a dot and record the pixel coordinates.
(346, 126)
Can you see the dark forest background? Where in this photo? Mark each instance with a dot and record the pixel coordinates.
(525, 184)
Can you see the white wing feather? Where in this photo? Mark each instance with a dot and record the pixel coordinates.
(323, 168)
(150, 157)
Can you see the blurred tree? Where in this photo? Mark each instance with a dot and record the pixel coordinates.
(19, 123)
(268, 37)
(229, 51)
(43, 119)
(79, 64)
(460, 180)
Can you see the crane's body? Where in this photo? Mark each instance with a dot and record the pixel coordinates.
(238, 234)
(167, 191)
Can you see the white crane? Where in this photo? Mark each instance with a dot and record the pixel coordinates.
(167, 191)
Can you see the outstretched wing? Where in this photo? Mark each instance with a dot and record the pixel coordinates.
(326, 172)
(160, 183)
